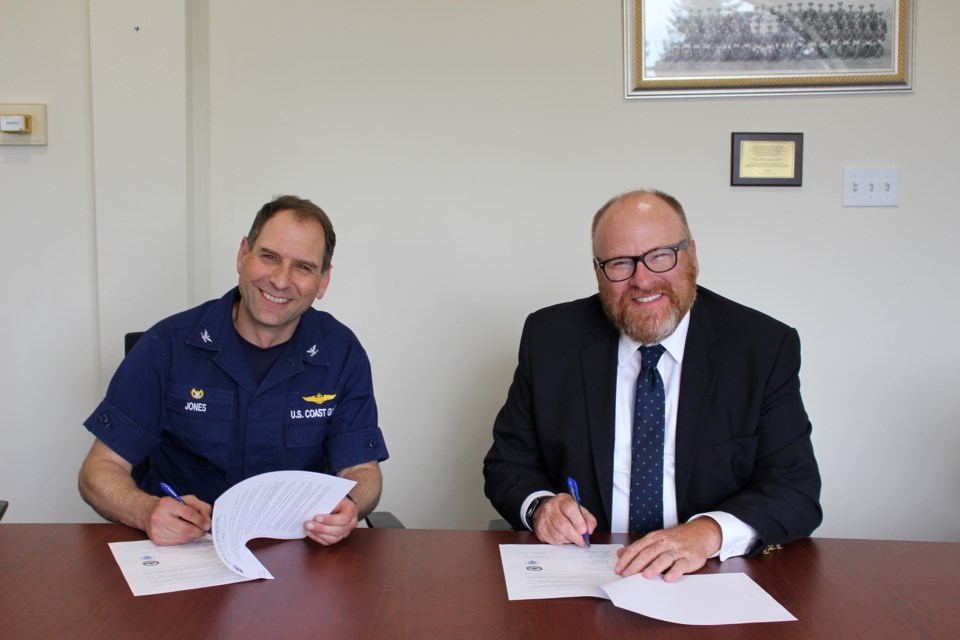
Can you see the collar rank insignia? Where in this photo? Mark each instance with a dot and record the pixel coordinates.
(312, 351)
(205, 336)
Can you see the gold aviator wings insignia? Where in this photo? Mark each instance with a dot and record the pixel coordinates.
(320, 398)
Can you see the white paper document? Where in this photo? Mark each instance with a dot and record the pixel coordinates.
(716, 598)
(270, 505)
(151, 569)
(540, 571)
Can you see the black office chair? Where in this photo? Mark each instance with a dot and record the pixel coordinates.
(375, 520)
(383, 520)
(3, 508)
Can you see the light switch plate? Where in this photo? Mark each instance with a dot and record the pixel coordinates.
(38, 115)
(871, 186)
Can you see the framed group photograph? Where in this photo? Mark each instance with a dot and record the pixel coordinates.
(699, 48)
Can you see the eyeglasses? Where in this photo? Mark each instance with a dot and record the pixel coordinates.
(659, 260)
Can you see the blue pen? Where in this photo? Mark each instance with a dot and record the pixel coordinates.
(575, 492)
(167, 489)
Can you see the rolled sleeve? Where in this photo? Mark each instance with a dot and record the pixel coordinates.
(356, 447)
(121, 433)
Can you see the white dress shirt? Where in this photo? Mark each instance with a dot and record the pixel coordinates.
(738, 537)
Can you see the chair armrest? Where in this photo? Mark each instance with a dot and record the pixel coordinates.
(498, 525)
(384, 520)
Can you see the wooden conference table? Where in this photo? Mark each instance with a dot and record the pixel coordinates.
(61, 581)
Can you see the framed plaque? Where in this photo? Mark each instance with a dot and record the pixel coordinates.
(766, 159)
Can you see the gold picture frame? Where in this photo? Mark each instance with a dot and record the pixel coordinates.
(702, 48)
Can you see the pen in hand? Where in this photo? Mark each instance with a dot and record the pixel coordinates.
(167, 489)
(575, 492)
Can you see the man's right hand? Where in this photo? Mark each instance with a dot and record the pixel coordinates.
(106, 485)
(558, 521)
(173, 523)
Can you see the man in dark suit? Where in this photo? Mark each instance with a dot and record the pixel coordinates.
(732, 458)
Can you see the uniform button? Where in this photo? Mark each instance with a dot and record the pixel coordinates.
(372, 444)
(103, 418)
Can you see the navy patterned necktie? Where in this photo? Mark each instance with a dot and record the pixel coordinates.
(646, 470)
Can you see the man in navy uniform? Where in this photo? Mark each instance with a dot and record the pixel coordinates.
(255, 381)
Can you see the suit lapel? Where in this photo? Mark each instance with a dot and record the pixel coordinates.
(697, 380)
(599, 365)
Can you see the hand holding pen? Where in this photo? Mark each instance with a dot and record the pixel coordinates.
(178, 522)
(575, 492)
(562, 520)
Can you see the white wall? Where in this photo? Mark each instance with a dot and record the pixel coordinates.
(460, 149)
(49, 363)
(138, 52)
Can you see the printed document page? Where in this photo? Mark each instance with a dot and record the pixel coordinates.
(543, 571)
(151, 569)
(270, 505)
(540, 571)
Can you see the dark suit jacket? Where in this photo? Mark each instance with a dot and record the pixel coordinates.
(743, 438)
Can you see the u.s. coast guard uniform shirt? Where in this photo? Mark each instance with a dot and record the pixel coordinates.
(185, 408)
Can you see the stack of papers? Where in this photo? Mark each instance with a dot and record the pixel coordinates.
(540, 571)
(270, 505)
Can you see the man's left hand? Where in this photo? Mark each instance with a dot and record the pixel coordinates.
(331, 528)
(679, 550)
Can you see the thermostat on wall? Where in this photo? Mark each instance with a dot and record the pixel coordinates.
(24, 124)
(15, 124)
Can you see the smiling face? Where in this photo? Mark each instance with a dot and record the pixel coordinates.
(280, 278)
(648, 306)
